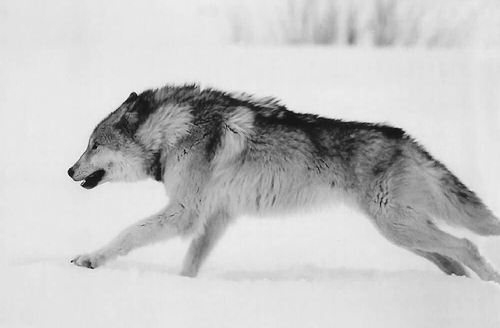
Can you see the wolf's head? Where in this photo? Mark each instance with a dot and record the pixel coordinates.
(113, 153)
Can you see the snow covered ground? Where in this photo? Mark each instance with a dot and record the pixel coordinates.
(322, 269)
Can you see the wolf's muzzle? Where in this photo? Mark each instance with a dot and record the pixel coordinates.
(93, 180)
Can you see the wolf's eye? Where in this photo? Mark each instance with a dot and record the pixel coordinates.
(95, 145)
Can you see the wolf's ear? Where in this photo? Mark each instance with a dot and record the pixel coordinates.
(132, 97)
(134, 116)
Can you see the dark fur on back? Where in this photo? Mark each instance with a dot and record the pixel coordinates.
(210, 106)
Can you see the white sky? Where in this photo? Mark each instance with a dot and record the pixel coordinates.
(120, 22)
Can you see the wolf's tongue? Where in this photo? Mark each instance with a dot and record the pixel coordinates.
(93, 180)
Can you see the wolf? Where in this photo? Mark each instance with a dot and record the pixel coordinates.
(221, 155)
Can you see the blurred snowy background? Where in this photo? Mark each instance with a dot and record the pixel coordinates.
(431, 67)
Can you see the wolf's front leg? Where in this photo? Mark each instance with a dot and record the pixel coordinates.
(200, 247)
(172, 221)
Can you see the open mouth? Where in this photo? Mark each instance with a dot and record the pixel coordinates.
(93, 180)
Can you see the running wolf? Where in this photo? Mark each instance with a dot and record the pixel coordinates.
(222, 155)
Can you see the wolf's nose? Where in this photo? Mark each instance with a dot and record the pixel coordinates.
(71, 172)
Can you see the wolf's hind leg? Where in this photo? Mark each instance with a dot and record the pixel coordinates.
(416, 232)
(173, 220)
(202, 245)
(446, 264)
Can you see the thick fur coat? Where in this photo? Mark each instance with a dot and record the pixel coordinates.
(223, 155)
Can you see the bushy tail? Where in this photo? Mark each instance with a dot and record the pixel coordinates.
(461, 206)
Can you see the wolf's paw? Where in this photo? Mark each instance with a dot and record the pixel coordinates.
(90, 261)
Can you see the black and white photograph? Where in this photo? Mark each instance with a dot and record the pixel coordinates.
(251, 163)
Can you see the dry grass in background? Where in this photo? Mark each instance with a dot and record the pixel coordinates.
(406, 23)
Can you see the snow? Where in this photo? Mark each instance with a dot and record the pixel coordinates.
(151, 298)
(321, 269)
